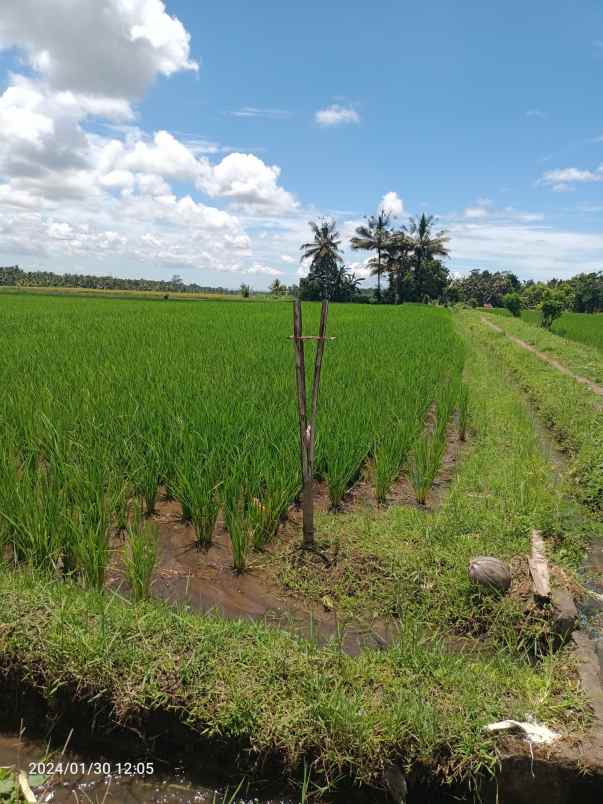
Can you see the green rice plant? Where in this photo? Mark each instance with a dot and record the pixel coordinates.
(424, 463)
(93, 405)
(391, 453)
(31, 510)
(141, 558)
(91, 552)
(240, 527)
(120, 504)
(196, 488)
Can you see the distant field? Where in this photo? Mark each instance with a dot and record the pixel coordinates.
(125, 294)
(581, 327)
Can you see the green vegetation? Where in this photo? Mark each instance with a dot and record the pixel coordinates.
(573, 411)
(141, 559)
(583, 359)
(16, 277)
(551, 308)
(328, 277)
(581, 294)
(106, 403)
(512, 302)
(580, 327)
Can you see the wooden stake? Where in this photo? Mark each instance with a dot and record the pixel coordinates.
(307, 432)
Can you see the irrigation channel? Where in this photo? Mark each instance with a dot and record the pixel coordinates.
(116, 782)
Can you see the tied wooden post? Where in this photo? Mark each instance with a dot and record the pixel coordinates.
(307, 423)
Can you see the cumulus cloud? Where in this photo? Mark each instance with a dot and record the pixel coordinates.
(248, 182)
(105, 48)
(67, 191)
(337, 115)
(392, 204)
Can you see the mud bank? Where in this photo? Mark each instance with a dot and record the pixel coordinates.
(190, 768)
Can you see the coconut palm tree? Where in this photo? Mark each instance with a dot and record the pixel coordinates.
(373, 236)
(324, 256)
(426, 244)
(397, 260)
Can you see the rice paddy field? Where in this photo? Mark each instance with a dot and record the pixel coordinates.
(581, 327)
(107, 402)
(146, 439)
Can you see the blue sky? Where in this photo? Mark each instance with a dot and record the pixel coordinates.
(271, 114)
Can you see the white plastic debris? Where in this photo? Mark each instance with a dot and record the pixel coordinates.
(532, 731)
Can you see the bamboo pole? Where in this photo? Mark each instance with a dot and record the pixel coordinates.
(307, 424)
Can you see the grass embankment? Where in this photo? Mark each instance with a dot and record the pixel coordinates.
(571, 410)
(585, 328)
(580, 358)
(422, 702)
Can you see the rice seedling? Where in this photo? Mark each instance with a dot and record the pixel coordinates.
(196, 487)
(141, 558)
(424, 464)
(239, 524)
(91, 551)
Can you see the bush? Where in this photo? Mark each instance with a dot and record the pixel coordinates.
(512, 302)
(551, 308)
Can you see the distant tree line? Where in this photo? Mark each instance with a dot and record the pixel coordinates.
(581, 294)
(15, 276)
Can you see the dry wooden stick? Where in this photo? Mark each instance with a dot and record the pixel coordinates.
(539, 568)
(307, 423)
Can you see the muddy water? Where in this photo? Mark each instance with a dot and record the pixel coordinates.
(80, 780)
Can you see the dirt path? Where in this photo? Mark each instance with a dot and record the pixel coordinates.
(596, 389)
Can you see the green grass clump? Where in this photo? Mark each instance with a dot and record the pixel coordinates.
(141, 558)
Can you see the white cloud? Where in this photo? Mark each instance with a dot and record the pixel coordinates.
(288, 259)
(67, 192)
(535, 113)
(104, 48)
(248, 182)
(561, 178)
(165, 156)
(262, 269)
(337, 115)
(392, 204)
(270, 114)
(528, 249)
(476, 212)
(360, 269)
(480, 210)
